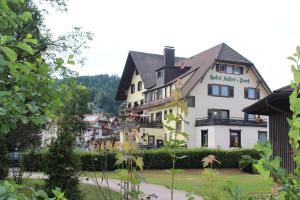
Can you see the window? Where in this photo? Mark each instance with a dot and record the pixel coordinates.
(190, 100)
(170, 111)
(149, 96)
(218, 114)
(262, 136)
(158, 94)
(215, 90)
(237, 70)
(135, 104)
(252, 93)
(129, 105)
(152, 117)
(141, 102)
(220, 90)
(229, 69)
(204, 138)
(235, 138)
(249, 117)
(159, 73)
(140, 85)
(132, 88)
(179, 126)
(165, 114)
(158, 117)
(224, 90)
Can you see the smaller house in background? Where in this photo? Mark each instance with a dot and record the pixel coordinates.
(100, 131)
(277, 107)
(48, 133)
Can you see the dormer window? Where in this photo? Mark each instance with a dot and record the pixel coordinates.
(132, 88)
(229, 69)
(159, 73)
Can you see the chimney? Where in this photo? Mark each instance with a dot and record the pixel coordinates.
(169, 56)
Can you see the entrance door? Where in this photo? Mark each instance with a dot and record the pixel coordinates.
(151, 140)
(204, 138)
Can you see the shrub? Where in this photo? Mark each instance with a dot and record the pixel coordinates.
(153, 159)
(62, 165)
(3, 158)
(246, 164)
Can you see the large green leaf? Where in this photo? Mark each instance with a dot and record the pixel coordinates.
(25, 16)
(2, 111)
(25, 47)
(4, 128)
(11, 54)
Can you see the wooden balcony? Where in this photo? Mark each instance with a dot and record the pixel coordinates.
(232, 121)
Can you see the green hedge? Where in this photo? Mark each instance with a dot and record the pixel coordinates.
(153, 159)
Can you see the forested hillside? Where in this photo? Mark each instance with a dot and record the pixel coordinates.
(103, 89)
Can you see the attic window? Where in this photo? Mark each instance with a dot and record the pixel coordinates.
(136, 72)
(229, 69)
(140, 85)
(132, 88)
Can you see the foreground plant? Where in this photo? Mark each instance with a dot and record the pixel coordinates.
(130, 165)
(177, 138)
(16, 192)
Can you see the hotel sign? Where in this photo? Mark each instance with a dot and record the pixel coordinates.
(229, 79)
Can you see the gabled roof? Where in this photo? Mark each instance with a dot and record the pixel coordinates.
(146, 64)
(199, 64)
(203, 61)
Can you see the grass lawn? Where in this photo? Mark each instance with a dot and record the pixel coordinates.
(193, 181)
(89, 192)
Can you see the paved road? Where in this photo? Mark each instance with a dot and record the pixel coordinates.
(161, 192)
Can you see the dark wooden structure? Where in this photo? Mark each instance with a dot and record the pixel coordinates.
(276, 106)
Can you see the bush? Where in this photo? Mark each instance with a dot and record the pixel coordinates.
(153, 159)
(246, 164)
(3, 158)
(62, 165)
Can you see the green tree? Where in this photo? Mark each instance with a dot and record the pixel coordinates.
(173, 125)
(62, 164)
(103, 90)
(3, 158)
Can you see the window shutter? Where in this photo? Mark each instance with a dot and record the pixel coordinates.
(209, 89)
(246, 93)
(231, 91)
(257, 94)
(209, 113)
(242, 70)
(217, 67)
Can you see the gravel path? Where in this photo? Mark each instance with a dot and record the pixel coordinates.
(161, 192)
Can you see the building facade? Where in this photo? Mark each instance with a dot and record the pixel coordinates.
(100, 131)
(216, 84)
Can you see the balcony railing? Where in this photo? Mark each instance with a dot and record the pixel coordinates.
(232, 121)
(155, 124)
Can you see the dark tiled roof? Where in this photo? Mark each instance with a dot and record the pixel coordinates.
(199, 64)
(147, 64)
(228, 54)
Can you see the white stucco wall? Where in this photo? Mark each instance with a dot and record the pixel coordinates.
(235, 104)
(137, 95)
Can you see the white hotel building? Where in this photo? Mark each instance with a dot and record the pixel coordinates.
(217, 84)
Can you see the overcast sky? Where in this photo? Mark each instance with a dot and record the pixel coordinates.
(264, 31)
